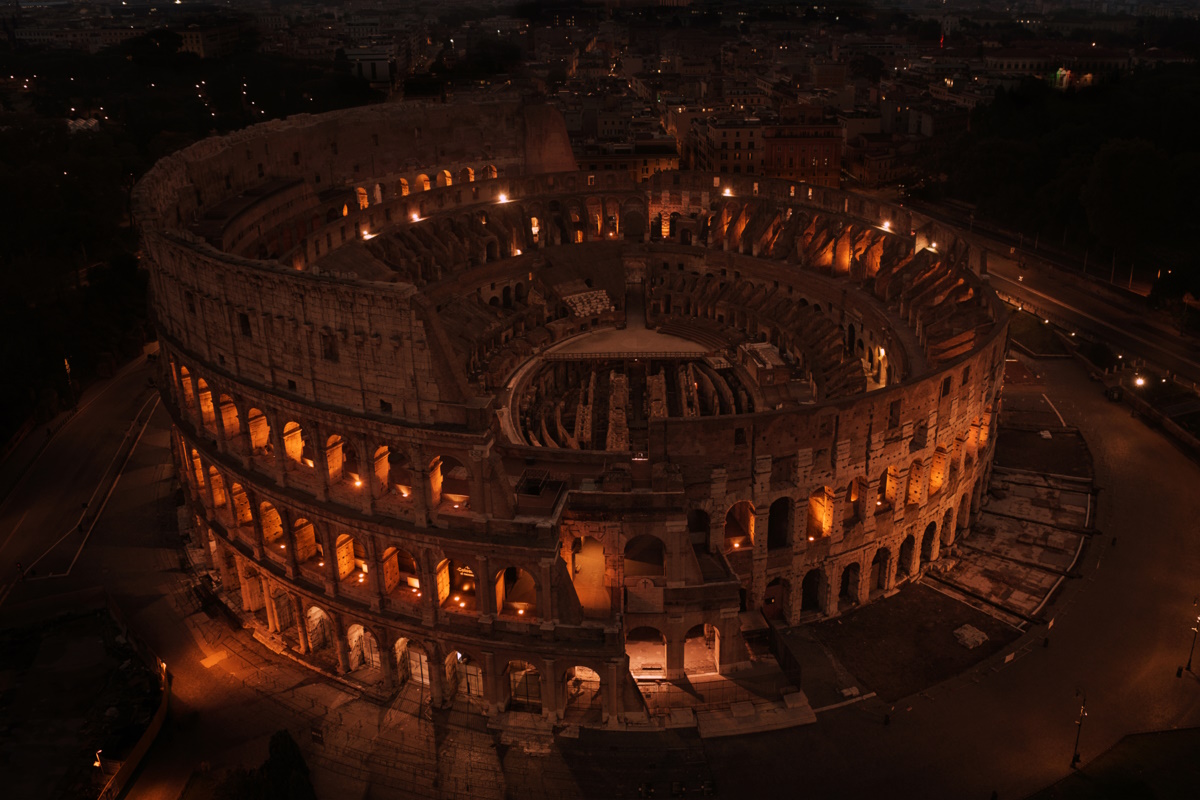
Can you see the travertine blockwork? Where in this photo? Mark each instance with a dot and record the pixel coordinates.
(392, 462)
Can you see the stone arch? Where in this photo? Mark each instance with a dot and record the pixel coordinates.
(524, 687)
(739, 525)
(885, 496)
(928, 543)
(450, 483)
(187, 390)
(853, 508)
(259, 429)
(456, 586)
(421, 184)
(208, 410)
(400, 575)
(490, 172)
(779, 524)
(412, 661)
(699, 646)
(393, 473)
(360, 194)
(363, 648)
(812, 591)
(516, 593)
(272, 528)
(633, 223)
(938, 470)
(402, 187)
(320, 626)
(583, 694)
(848, 589)
(464, 675)
(231, 423)
(296, 445)
(881, 565)
(589, 572)
(307, 545)
(242, 514)
(904, 565)
(646, 647)
(916, 472)
(351, 558)
(645, 556)
(444, 178)
(466, 175)
(217, 486)
(820, 513)
(777, 599)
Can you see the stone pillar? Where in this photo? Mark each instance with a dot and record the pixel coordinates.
(485, 588)
(343, 651)
(279, 462)
(244, 585)
(759, 566)
(227, 575)
(301, 626)
(675, 659)
(285, 519)
(864, 581)
(320, 462)
(387, 661)
(676, 536)
(329, 549)
(546, 592)
(374, 573)
(269, 605)
(260, 544)
(493, 695)
(437, 675)
(612, 683)
(551, 691)
(366, 467)
(429, 598)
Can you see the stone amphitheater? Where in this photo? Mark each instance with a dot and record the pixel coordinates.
(457, 419)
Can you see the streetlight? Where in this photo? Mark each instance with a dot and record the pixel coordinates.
(1079, 729)
(1192, 652)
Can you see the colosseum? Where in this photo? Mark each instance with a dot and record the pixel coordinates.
(456, 417)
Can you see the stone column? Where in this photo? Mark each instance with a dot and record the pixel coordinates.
(551, 691)
(546, 592)
(373, 574)
(387, 661)
(366, 474)
(612, 684)
(485, 588)
(343, 651)
(301, 626)
(320, 462)
(279, 453)
(269, 605)
(675, 658)
(493, 695)
(260, 544)
(759, 566)
(329, 549)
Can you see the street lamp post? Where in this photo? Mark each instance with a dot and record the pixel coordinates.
(1079, 728)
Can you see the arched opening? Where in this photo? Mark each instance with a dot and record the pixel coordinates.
(466, 175)
(230, 423)
(699, 650)
(217, 486)
(396, 481)
(401, 580)
(647, 651)
(633, 225)
(444, 178)
(927, 543)
(779, 524)
(904, 565)
(208, 412)
(699, 526)
(364, 649)
(516, 593)
(187, 392)
(885, 496)
(411, 662)
(506, 297)
(938, 471)
(852, 511)
(456, 586)
(320, 629)
(739, 526)
(272, 528)
(422, 183)
(198, 475)
(464, 678)
(450, 485)
(524, 687)
(645, 556)
(776, 603)
(296, 445)
(810, 592)
(820, 508)
(848, 592)
(260, 432)
(309, 552)
(880, 570)
(588, 571)
(489, 172)
(360, 194)
(352, 564)
(583, 700)
(916, 472)
(243, 517)
(402, 187)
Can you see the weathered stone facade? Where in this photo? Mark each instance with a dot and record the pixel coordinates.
(393, 461)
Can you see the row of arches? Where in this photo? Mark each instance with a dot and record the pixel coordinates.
(389, 478)
(443, 672)
(356, 565)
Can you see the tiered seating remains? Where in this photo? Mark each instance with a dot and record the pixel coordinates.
(589, 304)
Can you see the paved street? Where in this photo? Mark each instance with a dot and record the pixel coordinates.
(1119, 633)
